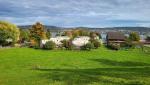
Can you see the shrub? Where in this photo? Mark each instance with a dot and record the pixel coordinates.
(131, 44)
(96, 44)
(36, 46)
(67, 44)
(49, 45)
(87, 46)
(114, 46)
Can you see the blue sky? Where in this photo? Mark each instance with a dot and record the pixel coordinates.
(70, 13)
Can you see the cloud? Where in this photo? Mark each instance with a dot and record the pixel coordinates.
(95, 13)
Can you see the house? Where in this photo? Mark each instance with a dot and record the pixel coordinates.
(57, 40)
(115, 37)
(80, 41)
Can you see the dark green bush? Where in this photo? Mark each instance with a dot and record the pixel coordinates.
(96, 44)
(87, 46)
(50, 45)
(4, 35)
(67, 44)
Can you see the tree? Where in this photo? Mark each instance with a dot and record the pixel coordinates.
(48, 34)
(8, 31)
(24, 35)
(75, 33)
(99, 35)
(83, 32)
(68, 33)
(93, 35)
(37, 33)
(134, 36)
(148, 38)
(4, 34)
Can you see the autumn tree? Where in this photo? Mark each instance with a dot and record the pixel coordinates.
(37, 33)
(8, 31)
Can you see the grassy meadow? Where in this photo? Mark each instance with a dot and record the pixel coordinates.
(27, 66)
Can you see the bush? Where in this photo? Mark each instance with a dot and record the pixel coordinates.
(131, 44)
(67, 44)
(36, 46)
(96, 44)
(50, 45)
(134, 36)
(114, 46)
(87, 46)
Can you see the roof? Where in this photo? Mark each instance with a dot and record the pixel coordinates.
(115, 36)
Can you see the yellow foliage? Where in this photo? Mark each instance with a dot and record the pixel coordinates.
(11, 28)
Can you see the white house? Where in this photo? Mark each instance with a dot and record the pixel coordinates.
(57, 40)
(80, 41)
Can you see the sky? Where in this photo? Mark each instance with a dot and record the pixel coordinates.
(75, 13)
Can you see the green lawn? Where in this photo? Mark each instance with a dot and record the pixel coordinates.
(27, 66)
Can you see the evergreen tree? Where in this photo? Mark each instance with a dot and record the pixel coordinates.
(48, 34)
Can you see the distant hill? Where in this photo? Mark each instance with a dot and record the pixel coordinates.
(139, 29)
(24, 26)
(29, 26)
(55, 28)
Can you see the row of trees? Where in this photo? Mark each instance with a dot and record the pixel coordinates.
(11, 34)
(80, 32)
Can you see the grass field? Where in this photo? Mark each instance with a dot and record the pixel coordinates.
(26, 66)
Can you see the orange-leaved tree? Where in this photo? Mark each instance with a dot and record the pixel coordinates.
(37, 33)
